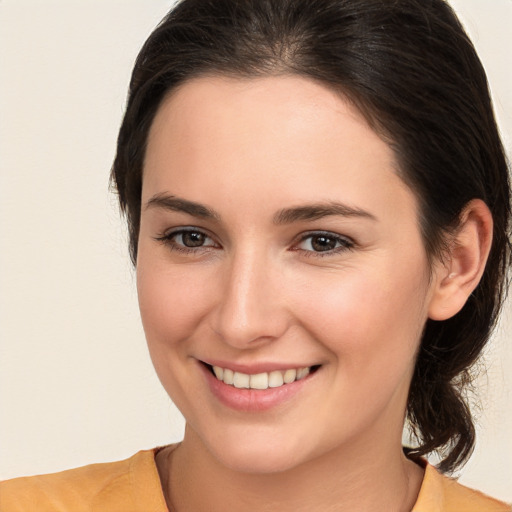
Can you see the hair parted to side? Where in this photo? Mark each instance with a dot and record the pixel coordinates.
(412, 71)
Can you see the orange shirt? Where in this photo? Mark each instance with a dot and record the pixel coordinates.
(133, 485)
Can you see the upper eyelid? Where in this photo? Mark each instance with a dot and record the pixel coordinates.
(331, 234)
(185, 229)
(170, 233)
(301, 236)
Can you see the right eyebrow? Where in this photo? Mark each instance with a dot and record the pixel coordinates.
(169, 202)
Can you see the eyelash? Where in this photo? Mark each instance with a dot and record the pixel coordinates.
(168, 240)
(345, 244)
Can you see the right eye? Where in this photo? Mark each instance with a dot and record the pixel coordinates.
(187, 240)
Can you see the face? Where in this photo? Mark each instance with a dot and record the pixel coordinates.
(279, 249)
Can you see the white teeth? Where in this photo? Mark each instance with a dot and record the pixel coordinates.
(259, 381)
(228, 376)
(289, 376)
(241, 380)
(273, 379)
(302, 372)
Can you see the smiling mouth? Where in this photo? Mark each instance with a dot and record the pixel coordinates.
(261, 381)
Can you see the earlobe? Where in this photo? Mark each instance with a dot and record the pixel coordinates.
(461, 270)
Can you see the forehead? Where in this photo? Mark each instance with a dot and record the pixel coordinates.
(281, 92)
(285, 138)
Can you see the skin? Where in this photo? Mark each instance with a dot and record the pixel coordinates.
(258, 291)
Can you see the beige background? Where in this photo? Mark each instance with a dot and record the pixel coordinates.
(76, 383)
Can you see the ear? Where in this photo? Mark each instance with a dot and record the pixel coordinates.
(462, 267)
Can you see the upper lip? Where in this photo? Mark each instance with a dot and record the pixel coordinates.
(255, 368)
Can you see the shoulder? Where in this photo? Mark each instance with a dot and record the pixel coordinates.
(461, 498)
(440, 493)
(130, 484)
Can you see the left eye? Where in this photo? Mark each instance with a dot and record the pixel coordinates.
(324, 242)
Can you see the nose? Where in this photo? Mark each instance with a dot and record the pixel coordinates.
(251, 308)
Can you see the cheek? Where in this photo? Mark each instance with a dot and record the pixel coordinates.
(372, 328)
(367, 318)
(172, 300)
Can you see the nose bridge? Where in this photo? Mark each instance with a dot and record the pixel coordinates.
(248, 309)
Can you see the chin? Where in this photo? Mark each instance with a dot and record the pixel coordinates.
(258, 456)
(258, 461)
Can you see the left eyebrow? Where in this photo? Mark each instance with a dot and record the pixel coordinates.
(318, 211)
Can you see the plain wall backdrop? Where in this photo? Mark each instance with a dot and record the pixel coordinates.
(76, 382)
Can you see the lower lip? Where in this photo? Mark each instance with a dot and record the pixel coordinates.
(253, 400)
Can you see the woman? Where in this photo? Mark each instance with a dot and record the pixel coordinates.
(318, 205)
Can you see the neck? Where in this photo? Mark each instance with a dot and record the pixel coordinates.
(342, 480)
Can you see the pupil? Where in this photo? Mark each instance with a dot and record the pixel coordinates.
(193, 239)
(323, 243)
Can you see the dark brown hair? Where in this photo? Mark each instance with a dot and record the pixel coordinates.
(412, 71)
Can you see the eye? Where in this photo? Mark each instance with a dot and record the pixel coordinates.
(187, 240)
(190, 238)
(324, 242)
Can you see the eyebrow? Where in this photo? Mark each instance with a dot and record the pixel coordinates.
(317, 211)
(168, 202)
(306, 212)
